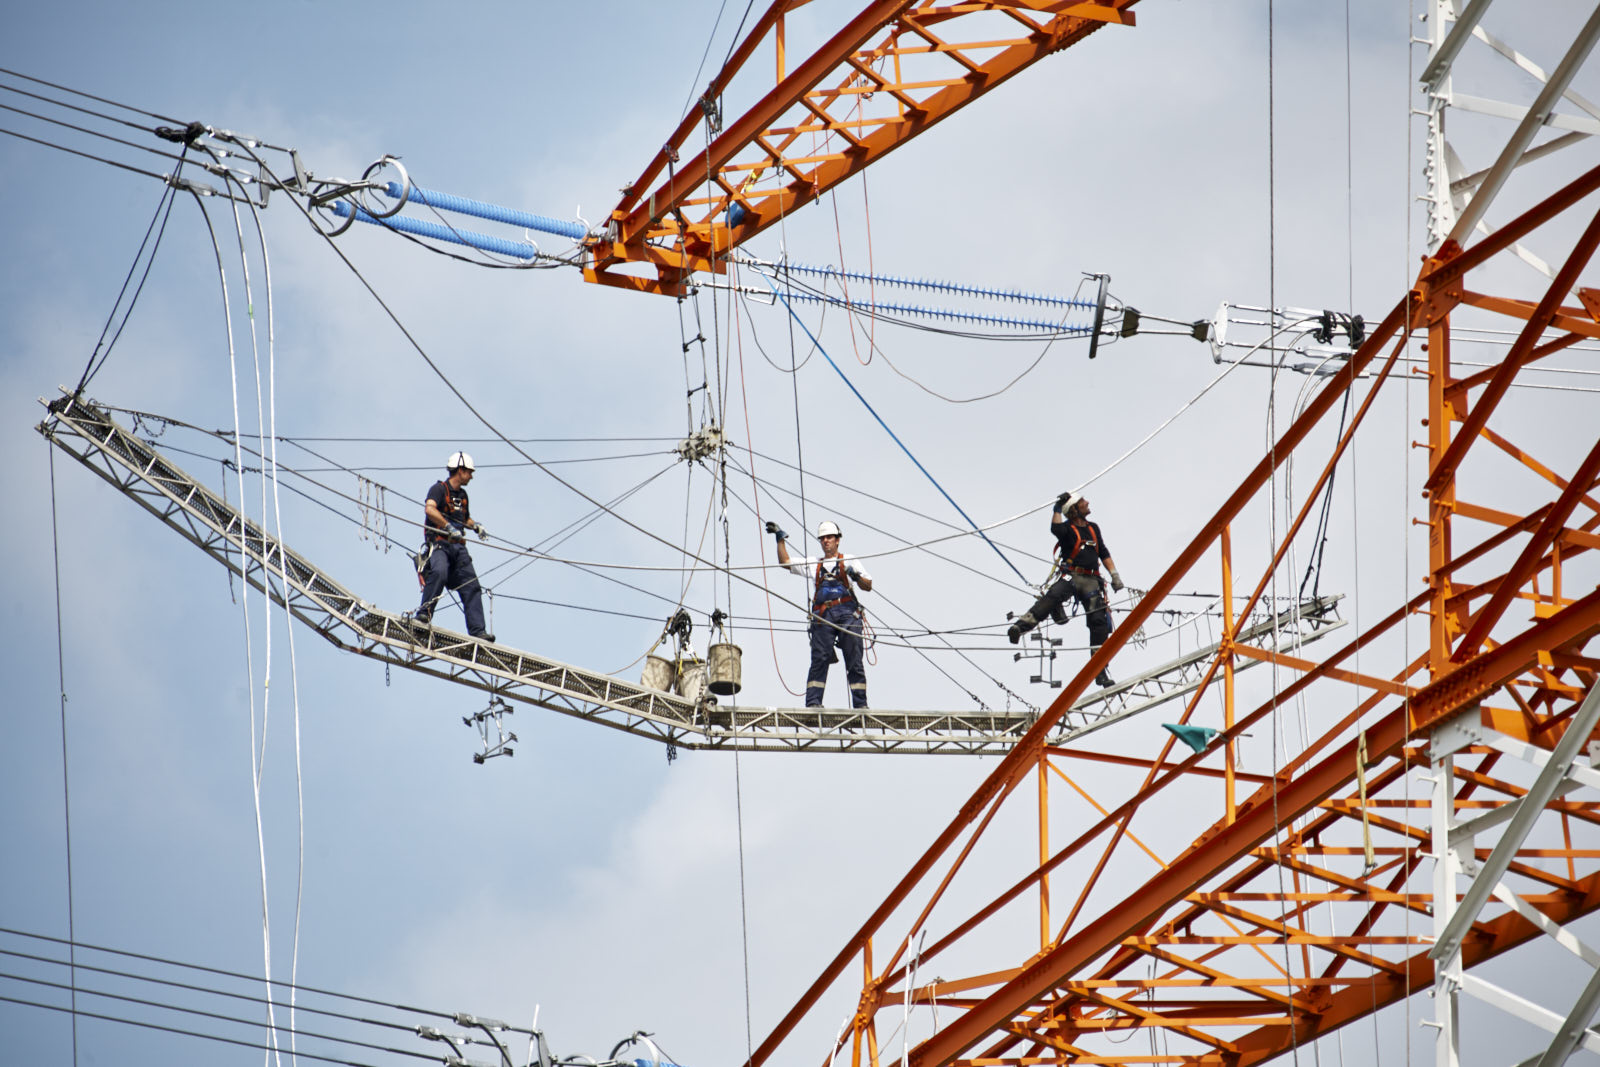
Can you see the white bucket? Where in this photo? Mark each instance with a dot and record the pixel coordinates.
(659, 673)
(691, 679)
(725, 668)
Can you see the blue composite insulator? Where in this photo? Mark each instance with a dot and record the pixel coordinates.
(437, 232)
(492, 212)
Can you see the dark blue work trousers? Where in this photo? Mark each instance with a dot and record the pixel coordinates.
(450, 567)
(842, 625)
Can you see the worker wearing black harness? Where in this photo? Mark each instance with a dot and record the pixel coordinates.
(1082, 549)
(835, 611)
(446, 564)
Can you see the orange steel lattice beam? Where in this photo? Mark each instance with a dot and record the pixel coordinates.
(893, 71)
(1237, 927)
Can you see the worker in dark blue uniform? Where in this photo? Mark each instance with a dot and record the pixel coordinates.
(1082, 549)
(446, 562)
(835, 611)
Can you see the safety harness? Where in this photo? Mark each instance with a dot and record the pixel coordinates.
(1066, 564)
(454, 510)
(843, 576)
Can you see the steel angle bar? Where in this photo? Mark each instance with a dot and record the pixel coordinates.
(1580, 124)
(1302, 624)
(1445, 55)
(1537, 115)
(1561, 935)
(1528, 810)
(1575, 1030)
(1526, 1010)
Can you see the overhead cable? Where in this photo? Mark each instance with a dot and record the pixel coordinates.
(89, 96)
(843, 377)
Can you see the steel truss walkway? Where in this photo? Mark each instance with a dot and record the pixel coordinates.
(86, 432)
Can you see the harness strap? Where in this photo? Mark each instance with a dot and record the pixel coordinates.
(843, 576)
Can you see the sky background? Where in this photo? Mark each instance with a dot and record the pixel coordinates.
(587, 877)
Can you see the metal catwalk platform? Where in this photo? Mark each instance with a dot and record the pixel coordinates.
(83, 430)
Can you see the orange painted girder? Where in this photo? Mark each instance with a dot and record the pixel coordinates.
(887, 51)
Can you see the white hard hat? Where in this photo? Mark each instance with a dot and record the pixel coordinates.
(458, 459)
(828, 528)
(1072, 502)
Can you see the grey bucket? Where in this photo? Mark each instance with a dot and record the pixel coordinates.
(659, 673)
(725, 668)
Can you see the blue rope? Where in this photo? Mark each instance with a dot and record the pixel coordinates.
(492, 212)
(890, 432)
(516, 249)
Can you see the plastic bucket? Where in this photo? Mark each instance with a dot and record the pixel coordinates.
(659, 673)
(723, 664)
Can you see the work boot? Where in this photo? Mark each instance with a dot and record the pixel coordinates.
(484, 636)
(1105, 680)
(1014, 634)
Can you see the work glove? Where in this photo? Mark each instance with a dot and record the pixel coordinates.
(776, 531)
(1061, 501)
(456, 535)
(1116, 582)
(854, 574)
(483, 535)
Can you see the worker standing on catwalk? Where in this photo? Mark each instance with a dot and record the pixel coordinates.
(1082, 549)
(835, 611)
(446, 564)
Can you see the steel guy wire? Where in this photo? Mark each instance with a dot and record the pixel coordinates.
(192, 987)
(222, 973)
(66, 776)
(85, 130)
(86, 155)
(271, 1027)
(91, 96)
(81, 1013)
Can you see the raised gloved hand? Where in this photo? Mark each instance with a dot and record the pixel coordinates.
(775, 530)
(1116, 582)
(1061, 501)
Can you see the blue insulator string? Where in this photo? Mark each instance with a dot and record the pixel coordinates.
(492, 212)
(934, 286)
(1057, 328)
(801, 323)
(420, 228)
